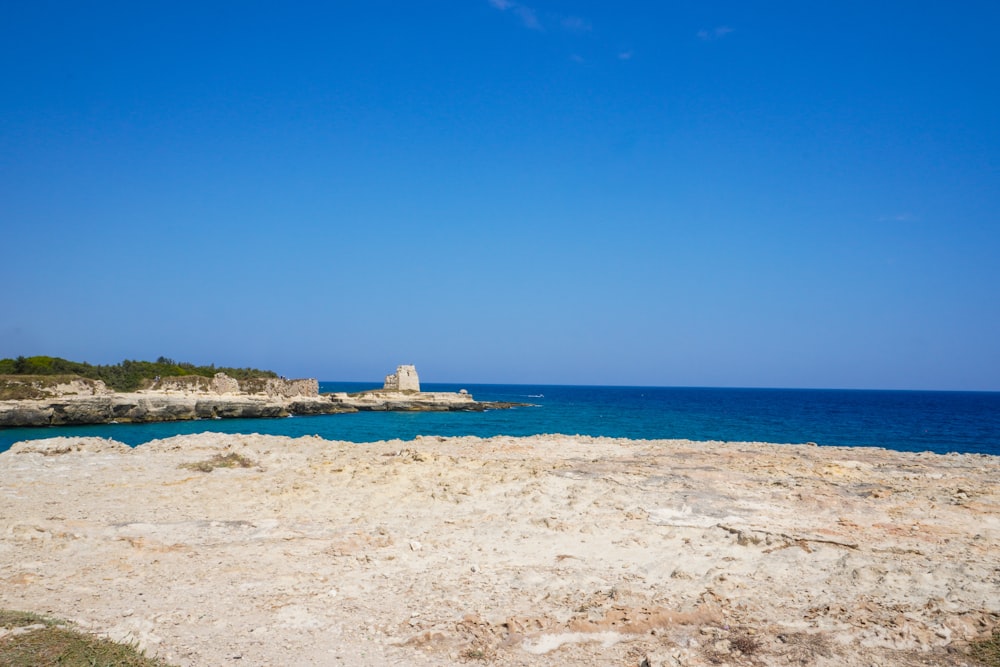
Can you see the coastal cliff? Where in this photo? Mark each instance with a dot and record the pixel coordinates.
(58, 400)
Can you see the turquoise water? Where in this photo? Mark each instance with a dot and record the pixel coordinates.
(904, 420)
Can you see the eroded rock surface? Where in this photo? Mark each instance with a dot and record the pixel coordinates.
(507, 551)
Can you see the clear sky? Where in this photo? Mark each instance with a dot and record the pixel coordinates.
(683, 193)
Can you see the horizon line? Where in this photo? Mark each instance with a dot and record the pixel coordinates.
(650, 386)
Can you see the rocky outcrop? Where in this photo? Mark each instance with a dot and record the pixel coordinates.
(125, 408)
(426, 401)
(404, 401)
(221, 397)
(57, 401)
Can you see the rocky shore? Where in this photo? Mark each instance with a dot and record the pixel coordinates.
(79, 401)
(506, 551)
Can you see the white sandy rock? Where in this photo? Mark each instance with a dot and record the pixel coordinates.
(66, 445)
(506, 551)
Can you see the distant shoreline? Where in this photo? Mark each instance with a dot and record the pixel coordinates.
(905, 421)
(73, 401)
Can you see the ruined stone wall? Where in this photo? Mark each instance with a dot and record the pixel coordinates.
(222, 384)
(292, 388)
(280, 387)
(182, 384)
(404, 379)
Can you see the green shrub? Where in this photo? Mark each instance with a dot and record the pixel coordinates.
(129, 375)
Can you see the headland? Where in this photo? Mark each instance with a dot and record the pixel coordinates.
(70, 400)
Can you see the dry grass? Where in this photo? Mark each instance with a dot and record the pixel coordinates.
(987, 651)
(803, 648)
(10, 618)
(37, 387)
(231, 460)
(475, 653)
(744, 642)
(735, 645)
(55, 644)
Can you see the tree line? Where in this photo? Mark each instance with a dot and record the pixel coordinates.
(125, 376)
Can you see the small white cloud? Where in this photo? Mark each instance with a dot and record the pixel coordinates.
(899, 217)
(577, 58)
(528, 17)
(576, 24)
(625, 55)
(715, 33)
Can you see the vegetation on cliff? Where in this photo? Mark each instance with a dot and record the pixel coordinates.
(128, 375)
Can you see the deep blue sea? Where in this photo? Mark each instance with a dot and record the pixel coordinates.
(904, 420)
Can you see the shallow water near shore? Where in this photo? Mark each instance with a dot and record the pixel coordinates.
(942, 422)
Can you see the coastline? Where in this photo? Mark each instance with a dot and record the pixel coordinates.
(941, 422)
(507, 550)
(86, 402)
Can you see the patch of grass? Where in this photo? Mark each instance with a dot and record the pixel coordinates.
(58, 645)
(737, 643)
(803, 648)
(29, 387)
(63, 647)
(987, 651)
(21, 392)
(475, 653)
(230, 460)
(10, 618)
(745, 643)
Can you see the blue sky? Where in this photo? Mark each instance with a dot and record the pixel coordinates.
(772, 194)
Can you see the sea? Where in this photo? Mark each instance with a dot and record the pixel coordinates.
(914, 421)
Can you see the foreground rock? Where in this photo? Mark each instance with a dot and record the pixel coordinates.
(507, 551)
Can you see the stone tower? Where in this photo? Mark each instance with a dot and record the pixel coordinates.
(404, 379)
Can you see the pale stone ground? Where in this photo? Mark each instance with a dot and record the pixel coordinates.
(549, 550)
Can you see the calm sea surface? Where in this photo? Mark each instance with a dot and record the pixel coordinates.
(905, 420)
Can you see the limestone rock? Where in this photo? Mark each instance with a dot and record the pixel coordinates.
(223, 384)
(221, 397)
(442, 551)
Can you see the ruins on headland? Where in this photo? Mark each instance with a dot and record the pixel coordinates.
(404, 379)
(55, 401)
